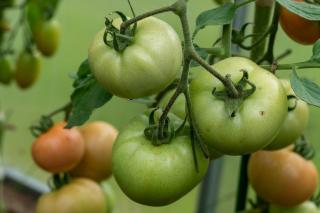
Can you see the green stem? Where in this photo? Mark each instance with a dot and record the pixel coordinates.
(226, 39)
(262, 17)
(127, 23)
(301, 65)
(215, 51)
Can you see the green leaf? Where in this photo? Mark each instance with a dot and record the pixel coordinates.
(217, 16)
(316, 52)
(305, 89)
(86, 97)
(303, 9)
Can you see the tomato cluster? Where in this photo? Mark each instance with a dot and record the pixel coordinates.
(85, 154)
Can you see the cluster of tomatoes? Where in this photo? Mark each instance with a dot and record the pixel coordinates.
(155, 167)
(82, 153)
(43, 39)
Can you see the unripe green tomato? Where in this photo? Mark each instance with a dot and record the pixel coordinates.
(148, 65)
(81, 195)
(305, 207)
(256, 122)
(110, 196)
(28, 67)
(155, 175)
(6, 70)
(47, 36)
(295, 122)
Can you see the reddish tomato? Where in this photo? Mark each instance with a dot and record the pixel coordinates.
(96, 161)
(299, 29)
(282, 177)
(59, 149)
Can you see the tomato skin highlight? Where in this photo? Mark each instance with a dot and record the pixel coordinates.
(282, 177)
(294, 124)
(145, 67)
(155, 175)
(258, 119)
(81, 195)
(96, 162)
(28, 67)
(299, 29)
(58, 149)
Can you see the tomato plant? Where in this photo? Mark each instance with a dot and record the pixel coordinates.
(96, 162)
(168, 170)
(58, 149)
(28, 67)
(264, 111)
(6, 70)
(298, 28)
(80, 195)
(150, 60)
(47, 36)
(282, 177)
(295, 122)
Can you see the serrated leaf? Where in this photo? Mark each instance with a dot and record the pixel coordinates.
(201, 52)
(303, 9)
(87, 96)
(316, 52)
(305, 89)
(217, 16)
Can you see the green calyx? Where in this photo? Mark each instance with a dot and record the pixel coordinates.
(233, 103)
(293, 101)
(118, 39)
(56, 181)
(44, 125)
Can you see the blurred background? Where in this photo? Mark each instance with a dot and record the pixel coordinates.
(80, 20)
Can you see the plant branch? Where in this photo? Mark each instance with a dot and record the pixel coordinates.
(300, 65)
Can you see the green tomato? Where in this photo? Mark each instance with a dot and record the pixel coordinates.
(47, 36)
(6, 70)
(81, 195)
(145, 67)
(254, 124)
(27, 69)
(305, 207)
(155, 175)
(294, 124)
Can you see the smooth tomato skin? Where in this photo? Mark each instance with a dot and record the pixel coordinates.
(28, 67)
(47, 36)
(96, 162)
(255, 124)
(6, 70)
(145, 67)
(299, 29)
(305, 207)
(155, 175)
(58, 149)
(294, 124)
(81, 195)
(282, 177)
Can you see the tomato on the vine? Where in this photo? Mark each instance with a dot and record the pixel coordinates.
(80, 195)
(6, 70)
(155, 175)
(305, 207)
(149, 64)
(299, 29)
(28, 67)
(282, 177)
(256, 121)
(179, 106)
(58, 149)
(295, 122)
(96, 162)
(46, 36)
